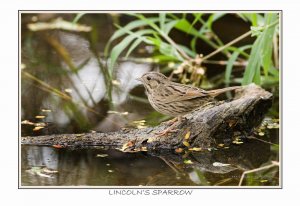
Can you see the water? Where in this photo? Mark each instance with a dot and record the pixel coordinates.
(47, 166)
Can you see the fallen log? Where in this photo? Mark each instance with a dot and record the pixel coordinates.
(201, 128)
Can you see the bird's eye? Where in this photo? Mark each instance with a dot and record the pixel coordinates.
(148, 78)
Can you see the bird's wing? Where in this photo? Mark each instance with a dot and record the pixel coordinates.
(180, 92)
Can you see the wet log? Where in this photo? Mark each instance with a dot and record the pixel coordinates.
(202, 128)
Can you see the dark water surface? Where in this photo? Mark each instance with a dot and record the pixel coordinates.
(47, 166)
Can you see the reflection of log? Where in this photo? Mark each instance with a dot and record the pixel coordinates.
(205, 126)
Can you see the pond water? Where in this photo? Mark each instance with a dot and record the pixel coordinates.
(223, 166)
(55, 99)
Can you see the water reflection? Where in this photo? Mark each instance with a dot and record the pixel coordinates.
(102, 167)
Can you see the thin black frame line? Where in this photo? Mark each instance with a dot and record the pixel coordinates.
(280, 186)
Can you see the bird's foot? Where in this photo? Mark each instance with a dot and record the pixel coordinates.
(166, 132)
(174, 122)
(171, 121)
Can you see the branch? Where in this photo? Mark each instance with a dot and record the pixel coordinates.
(206, 126)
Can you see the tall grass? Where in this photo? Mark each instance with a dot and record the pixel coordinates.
(260, 59)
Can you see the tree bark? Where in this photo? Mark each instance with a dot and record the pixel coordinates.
(200, 129)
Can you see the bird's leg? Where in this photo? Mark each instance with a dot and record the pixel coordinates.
(171, 121)
(170, 128)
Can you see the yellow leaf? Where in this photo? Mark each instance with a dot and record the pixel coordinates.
(185, 143)
(197, 149)
(187, 162)
(27, 122)
(37, 128)
(178, 150)
(46, 110)
(102, 155)
(187, 135)
(40, 117)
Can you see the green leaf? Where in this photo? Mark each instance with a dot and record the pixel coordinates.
(231, 60)
(162, 19)
(256, 30)
(212, 18)
(188, 51)
(254, 18)
(193, 44)
(133, 46)
(169, 26)
(261, 53)
(253, 63)
(185, 26)
(267, 43)
(124, 30)
(119, 48)
(77, 17)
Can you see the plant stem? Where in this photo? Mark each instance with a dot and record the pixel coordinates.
(183, 54)
(227, 45)
(256, 170)
(237, 39)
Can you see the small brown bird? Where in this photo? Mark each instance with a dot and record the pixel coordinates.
(174, 99)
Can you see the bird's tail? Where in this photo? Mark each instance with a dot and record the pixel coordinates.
(217, 92)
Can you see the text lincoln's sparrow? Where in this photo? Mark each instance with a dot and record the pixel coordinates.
(176, 99)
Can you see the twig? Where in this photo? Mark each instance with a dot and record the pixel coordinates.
(237, 39)
(264, 141)
(256, 170)
(221, 62)
(183, 54)
(227, 45)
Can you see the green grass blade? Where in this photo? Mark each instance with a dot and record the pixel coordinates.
(77, 17)
(267, 43)
(124, 30)
(119, 48)
(133, 46)
(261, 53)
(253, 63)
(169, 26)
(231, 60)
(162, 19)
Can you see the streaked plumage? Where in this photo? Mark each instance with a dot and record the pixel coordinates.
(175, 99)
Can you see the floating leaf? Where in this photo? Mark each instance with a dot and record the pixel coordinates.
(219, 164)
(101, 155)
(237, 142)
(40, 117)
(46, 110)
(262, 181)
(197, 149)
(187, 162)
(37, 128)
(27, 122)
(40, 124)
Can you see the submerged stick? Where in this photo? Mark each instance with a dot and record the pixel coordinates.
(201, 129)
